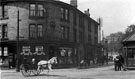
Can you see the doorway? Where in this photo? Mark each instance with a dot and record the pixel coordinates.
(52, 52)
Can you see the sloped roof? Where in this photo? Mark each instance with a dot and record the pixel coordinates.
(130, 38)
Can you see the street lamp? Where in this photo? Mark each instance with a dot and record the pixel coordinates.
(17, 62)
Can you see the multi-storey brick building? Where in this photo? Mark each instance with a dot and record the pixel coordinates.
(47, 28)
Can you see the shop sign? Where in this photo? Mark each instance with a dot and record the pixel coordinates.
(26, 50)
(39, 50)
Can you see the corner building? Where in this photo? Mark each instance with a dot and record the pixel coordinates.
(47, 28)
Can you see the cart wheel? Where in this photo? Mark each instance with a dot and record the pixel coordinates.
(25, 70)
(36, 72)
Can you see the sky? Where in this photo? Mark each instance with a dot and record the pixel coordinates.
(116, 14)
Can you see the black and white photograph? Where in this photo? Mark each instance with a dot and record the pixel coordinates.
(67, 39)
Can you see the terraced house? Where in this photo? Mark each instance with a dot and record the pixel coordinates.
(47, 28)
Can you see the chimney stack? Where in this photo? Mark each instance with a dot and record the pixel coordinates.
(73, 3)
(87, 12)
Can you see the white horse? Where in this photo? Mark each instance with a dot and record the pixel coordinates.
(44, 63)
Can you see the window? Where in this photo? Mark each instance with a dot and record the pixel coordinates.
(32, 31)
(89, 38)
(80, 36)
(0, 31)
(75, 35)
(62, 13)
(5, 12)
(5, 31)
(62, 32)
(0, 11)
(74, 18)
(32, 9)
(40, 30)
(52, 25)
(40, 10)
(0, 51)
(65, 32)
(89, 26)
(66, 14)
(5, 51)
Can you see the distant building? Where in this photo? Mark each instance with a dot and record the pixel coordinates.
(47, 28)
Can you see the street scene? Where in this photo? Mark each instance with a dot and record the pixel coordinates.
(67, 39)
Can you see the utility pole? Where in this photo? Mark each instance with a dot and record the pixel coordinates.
(17, 53)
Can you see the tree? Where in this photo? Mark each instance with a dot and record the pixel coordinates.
(129, 31)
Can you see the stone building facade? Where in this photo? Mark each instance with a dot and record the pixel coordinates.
(47, 28)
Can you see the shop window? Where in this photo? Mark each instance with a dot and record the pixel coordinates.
(5, 51)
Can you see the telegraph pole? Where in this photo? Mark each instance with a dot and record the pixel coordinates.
(17, 53)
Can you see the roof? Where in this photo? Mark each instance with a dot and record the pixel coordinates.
(130, 38)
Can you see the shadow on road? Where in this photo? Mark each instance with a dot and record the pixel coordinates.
(49, 75)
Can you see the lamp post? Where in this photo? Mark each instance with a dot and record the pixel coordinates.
(17, 62)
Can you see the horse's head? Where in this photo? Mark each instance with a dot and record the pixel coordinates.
(53, 60)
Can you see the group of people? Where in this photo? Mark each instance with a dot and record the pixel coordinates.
(119, 62)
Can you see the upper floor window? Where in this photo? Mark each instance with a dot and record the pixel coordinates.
(5, 11)
(0, 31)
(36, 10)
(74, 18)
(32, 9)
(75, 35)
(89, 38)
(81, 37)
(62, 32)
(65, 32)
(3, 31)
(64, 14)
(89, 26)
(40, 10)
(40, 30)
(32, 30)
(96, 28)
(0, 11)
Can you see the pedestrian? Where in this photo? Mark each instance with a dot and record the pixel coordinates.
(116, 63)
(121, 60)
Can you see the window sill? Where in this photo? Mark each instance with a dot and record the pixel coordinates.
(36, 17)
(4, 18)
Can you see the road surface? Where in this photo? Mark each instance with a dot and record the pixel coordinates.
(106, 72)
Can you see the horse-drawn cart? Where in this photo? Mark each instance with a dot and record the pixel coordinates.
(34, 66)
(28, 67)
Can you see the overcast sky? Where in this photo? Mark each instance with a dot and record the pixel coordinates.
(116, 14)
